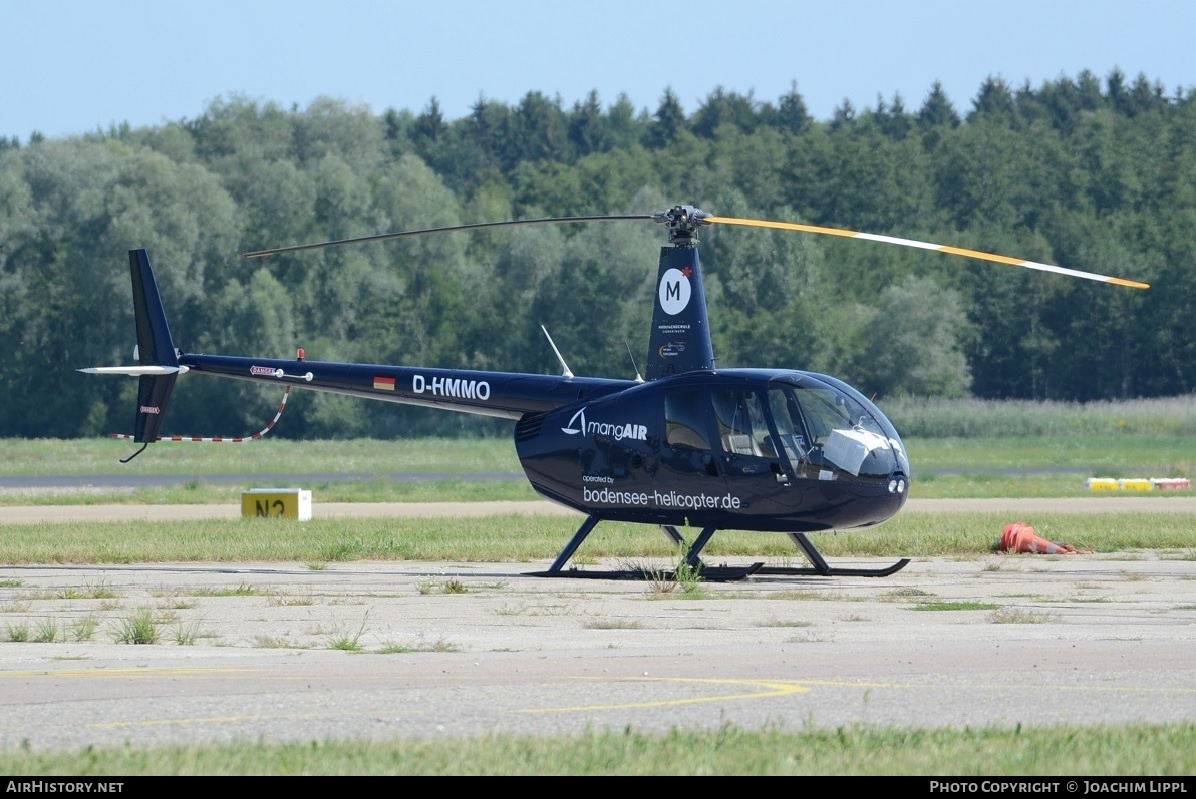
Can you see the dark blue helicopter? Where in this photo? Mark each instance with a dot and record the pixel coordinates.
(691, 445)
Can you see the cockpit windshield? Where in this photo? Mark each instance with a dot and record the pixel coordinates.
(827, 432)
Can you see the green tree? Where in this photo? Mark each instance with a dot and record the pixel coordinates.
(766, 294)
(725, 108)
(589, 128)
(668, 122)
(792, 115)
(86, 203)
(912, 342)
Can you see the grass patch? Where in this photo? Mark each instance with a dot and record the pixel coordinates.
(239, 590)
(346, 643)
(1020, 616)
(274, 642)
(347, 640)
(613, 624)
(439, 645)
(801, 596)
(178, 604)
(450, 586)
(185, 634)
(283, 599)
(684, 578)
(905, 593)
(17, 633)
(84, 629)
(11, 583)
(99, 589)
(139, 629)
(955, 606)
(47, 631)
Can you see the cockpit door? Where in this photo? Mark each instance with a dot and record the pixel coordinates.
(750, 448)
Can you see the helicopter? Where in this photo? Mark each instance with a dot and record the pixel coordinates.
(689, 445)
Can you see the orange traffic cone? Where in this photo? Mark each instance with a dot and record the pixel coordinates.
(1020, 537)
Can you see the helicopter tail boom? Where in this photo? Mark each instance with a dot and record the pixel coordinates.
(498, 394)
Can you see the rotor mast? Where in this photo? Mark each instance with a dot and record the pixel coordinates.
(680, 337)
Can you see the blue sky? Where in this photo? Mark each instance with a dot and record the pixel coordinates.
(74, 67)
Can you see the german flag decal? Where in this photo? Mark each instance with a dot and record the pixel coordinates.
(384, 383)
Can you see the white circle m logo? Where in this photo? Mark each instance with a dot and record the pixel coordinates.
(673, 292)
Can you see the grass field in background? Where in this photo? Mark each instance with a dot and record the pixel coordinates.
(1147, 751)
(1107, 438)
(361, 470)
(522, 538)
(1104, 455)
(31, 457)
(36, 457)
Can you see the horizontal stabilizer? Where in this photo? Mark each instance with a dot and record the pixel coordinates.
(135, 371)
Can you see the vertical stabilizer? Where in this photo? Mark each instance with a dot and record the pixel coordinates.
(154, 344)
(680, 339)
(154, 348)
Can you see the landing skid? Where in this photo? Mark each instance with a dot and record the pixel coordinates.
(818, 568)
(821, 568)
(713, 574)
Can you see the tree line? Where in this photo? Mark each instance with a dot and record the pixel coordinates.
(1090, 173)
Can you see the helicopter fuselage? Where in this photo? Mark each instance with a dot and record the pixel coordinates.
(734, 449)
(748, 449)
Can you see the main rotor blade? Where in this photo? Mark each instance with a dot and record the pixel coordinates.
(923, 245)
(450, 229)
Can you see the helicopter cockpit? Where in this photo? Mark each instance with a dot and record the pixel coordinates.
(822, 428)
(828, 430)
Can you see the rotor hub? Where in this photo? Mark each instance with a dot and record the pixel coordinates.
(683, 222)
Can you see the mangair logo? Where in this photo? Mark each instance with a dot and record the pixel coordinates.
(674, 290)
(265, 371)
(672, 349)
(580, 428)
(618, 431)
(151, 409)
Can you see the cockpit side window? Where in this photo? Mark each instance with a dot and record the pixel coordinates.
(742, 427)
(790, 428)
(683, 420)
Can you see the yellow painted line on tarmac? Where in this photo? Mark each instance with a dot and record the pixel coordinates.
(772, 689)
(769, 689)
(121, 673)
(1110, 689)
(116, 725)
